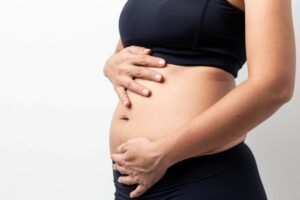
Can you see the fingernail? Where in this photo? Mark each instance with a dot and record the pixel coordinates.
(119, 180)
(145, 91)
(125, 103)
(145, 50)
(157, 77)
(161, 62)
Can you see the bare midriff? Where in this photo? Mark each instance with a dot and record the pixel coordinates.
(185, 92)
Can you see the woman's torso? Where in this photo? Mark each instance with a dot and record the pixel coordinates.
(184, 94)
(212, 34)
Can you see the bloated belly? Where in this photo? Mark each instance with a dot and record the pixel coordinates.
(184, 94)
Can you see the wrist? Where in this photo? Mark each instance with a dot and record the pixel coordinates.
(106, 70)
(107, 63)
(164, 145)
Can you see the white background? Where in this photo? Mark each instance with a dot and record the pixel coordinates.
(56, 106)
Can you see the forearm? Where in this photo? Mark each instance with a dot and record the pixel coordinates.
(239, 111)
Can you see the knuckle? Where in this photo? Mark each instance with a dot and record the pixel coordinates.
(125, 50)
(118, 168)
(143, 60)
(136, 179)
(125, 156)
(139, 72)
(123, 56)
(131, 48)
(127, 164)
(129, 83)
(133, 173)
(131, 59)
(151, 73)
(121, 69)
(129, 172)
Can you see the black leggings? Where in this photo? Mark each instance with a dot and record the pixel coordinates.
(228, 175)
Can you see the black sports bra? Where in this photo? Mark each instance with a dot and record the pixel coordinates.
(187, 32)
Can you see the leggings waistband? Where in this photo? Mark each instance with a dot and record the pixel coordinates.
(208, 165)
(224, 172)
(233, 157)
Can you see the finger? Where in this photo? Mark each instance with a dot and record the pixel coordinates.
(138, 49)
(122, 148)
(122, 94)
(140, 189)
(118, 158)
(136, 87)
(147, 60)
(128, 180)
(121, 169)
(144, 73)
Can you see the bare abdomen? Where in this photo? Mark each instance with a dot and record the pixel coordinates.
(184, 94)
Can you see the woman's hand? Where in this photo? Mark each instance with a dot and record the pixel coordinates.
(122, 67)
(143, 160)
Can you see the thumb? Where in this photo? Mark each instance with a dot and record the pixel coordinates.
(118, 158)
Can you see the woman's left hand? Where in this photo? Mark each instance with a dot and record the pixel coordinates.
(143, 160)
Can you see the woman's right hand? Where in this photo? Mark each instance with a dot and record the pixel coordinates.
(123, 67)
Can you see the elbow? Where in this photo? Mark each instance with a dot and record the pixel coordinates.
(284, 88)
(286, 95)
(280, 92)
(276, 91)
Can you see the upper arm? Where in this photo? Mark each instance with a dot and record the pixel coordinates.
(119, 46)
(270, 42)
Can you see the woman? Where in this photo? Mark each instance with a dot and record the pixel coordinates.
(185, 139)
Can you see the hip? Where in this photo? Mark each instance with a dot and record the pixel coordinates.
(230, 175)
